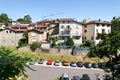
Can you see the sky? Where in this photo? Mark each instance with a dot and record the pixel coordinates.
(49, 9)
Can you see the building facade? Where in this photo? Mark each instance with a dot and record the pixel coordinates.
(91, 28)
(69, 28)
(36, 35)
(10, 37)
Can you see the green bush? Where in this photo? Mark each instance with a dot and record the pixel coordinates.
(35, 45)
(69, 42)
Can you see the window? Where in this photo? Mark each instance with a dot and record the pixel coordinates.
(97, 24)
(85, 26)
(103, 25)
(103, 31)
(85, 31)
(108, 25)
(62, 27)
(92, 38)
(33, 34)
(77, 27)
(85, 37)
(33, 40)
(96, 30)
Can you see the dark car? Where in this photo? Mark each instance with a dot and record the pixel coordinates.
(95, 65)
(76, 78)
(41, 61)
(73, 64)
(87, 65)
(85, 77)
(79, 64)
(102, 65)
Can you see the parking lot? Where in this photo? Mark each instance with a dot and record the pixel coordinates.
(51, 72)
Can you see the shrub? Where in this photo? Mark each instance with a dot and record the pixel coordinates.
(69, 42)
(35, 45)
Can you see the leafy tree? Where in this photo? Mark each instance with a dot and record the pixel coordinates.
(21, 42)
(25, 35)
(87, 43)
(53, 40)
(11, 65)
(20, 20)
(109, 47)
(26, 19)
(69, 42)
(35, 45)
(115, 24)
(4, 18)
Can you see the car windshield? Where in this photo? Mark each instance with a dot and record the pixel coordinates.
(65, 78)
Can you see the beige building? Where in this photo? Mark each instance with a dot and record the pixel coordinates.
(10, 37)
(36, 35)
(91, 28)
(69, 28)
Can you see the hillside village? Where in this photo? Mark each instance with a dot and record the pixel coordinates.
(62, 29)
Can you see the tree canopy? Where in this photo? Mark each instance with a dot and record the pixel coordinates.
(11, 65)
(26, 19)
(4, 18)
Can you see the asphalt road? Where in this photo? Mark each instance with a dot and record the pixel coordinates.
(50, 72)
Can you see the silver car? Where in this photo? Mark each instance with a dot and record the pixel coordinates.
(57, 63)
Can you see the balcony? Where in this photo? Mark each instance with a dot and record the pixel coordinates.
(67, 29)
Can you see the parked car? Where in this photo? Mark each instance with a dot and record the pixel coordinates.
(49, 62)
(95, 65)
(32, 61)
(76, 78)
(85, 77)
(66, 63)
(41, 61)
(73, 64)
(87, 65)
(57, 63)
(79, 64)
(65, 76)
(102, 65)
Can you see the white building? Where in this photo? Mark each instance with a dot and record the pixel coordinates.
(91, 28)
(2, 25)
(69, 28)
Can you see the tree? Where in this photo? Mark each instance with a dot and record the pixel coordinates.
(69, 42)
(87, 43)
(20, 20)
(26, 19)
(108, 48)
(11, 65)
(35, 45)
(115, 24)
(25, 35)
(4, 18)
(53, 40)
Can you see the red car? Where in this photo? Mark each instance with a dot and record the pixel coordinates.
(49, 62)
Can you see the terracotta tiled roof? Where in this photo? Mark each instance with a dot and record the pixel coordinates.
(66, 19)
(41, 31)
(16, 30)
(97, 21)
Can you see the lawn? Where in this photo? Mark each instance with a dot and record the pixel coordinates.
(47, 56)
